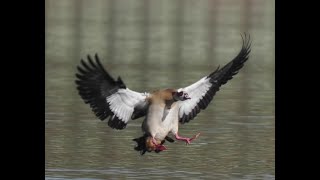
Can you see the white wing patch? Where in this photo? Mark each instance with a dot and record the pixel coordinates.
(196, 91)
(123, 102)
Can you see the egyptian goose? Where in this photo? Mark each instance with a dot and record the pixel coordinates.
(163, 109)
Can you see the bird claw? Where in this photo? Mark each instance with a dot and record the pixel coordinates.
(188, 140)
(195, 136)
(159, 147)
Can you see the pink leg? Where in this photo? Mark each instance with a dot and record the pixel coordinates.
(187, 140)
(158, 146)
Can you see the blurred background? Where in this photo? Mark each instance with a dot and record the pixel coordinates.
(155, 44)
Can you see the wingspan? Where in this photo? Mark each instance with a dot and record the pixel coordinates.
(203, 91)
(108, 97)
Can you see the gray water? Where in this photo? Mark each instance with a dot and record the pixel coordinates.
(154, 45)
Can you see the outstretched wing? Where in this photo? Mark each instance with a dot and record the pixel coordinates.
(202, 92)
(108, 97)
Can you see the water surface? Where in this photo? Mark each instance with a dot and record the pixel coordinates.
(154, 45)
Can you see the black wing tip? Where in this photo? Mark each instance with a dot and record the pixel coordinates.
(90, 76)
(90, 66)
(121, 83)
(116, 123)
(245, 50)
(96, 56)
(218, 68)
(246, 42)
(89, 60)
(220, 76)
(245, 36)
(243, 56)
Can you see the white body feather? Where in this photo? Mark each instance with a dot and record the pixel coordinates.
(159, 126)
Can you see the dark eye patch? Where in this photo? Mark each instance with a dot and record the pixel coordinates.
(180, 93)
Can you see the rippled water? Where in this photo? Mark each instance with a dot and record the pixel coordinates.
(237, 129)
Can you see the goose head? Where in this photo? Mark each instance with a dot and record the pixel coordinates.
(180, 96)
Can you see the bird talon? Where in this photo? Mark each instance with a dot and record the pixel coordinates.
(195, 136)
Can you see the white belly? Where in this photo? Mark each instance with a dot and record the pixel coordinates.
(160, 121)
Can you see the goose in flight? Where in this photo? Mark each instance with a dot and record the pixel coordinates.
(163, 110)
